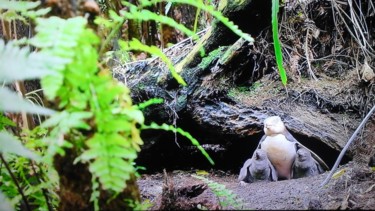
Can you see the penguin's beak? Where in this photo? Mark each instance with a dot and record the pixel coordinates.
(256, 156)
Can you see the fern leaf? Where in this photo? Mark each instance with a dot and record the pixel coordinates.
(152, 101)
(57, 37)
(228, 198)
(9, 144)
(107, 154)
(5, 203)
(27, 9)
(137, 45)
(66, 121)
(18, 5)
(13, 103)
(19, 64)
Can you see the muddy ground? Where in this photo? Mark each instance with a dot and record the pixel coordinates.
(352, 188)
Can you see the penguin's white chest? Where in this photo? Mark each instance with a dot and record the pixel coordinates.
(281, 153)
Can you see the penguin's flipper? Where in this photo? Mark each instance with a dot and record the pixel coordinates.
(273, 173)
(260, 142)
(319, 167)
(244, 172)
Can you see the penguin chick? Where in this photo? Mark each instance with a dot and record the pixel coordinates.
(305, 165)
(258, 168)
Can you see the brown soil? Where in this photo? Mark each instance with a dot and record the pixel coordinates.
(352, 188)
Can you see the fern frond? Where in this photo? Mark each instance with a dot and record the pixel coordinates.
(146, 15)
(10, 144)
(14, 103)
(182, 132)
(26, 8)
(57, 37)
(18, 5)
(5, 203)
(19, 64)
(226, 196)
(135, 44)
(91, 101)
(152, 101)
(210, 9)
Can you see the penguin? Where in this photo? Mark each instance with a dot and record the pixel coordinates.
(281, 147)
(257, 168)
(305, 165)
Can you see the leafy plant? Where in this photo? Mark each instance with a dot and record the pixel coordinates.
(12, 151)
(226, 197)
(92, 101)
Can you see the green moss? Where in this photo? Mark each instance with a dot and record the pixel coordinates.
(206, 61)
(244, 90)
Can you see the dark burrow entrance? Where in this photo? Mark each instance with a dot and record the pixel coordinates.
(165, 150)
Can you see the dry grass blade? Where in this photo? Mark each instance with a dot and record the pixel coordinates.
(359, 31)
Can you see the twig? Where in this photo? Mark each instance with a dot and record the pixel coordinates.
(307, 55)
(15, 182)
(347, 146)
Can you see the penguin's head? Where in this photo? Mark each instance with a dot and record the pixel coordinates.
(273, 126)
(303, 154)
(260, 154)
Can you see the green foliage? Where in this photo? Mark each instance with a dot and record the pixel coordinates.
(38, 180)
(18, 10)
(146, 15)
(208, 8)
(68, 32)
(16, 104)
(19, 58)
(20, 65)
(276, 41)
(206, 61)
(226, 197)
(10, 144)
(149, 102)
(90, 101)
(4, 121)
(95, 114)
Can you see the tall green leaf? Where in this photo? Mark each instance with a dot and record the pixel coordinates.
(276, 41)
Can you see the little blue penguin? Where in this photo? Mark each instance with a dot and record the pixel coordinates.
(305, 165)
(257, 168)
